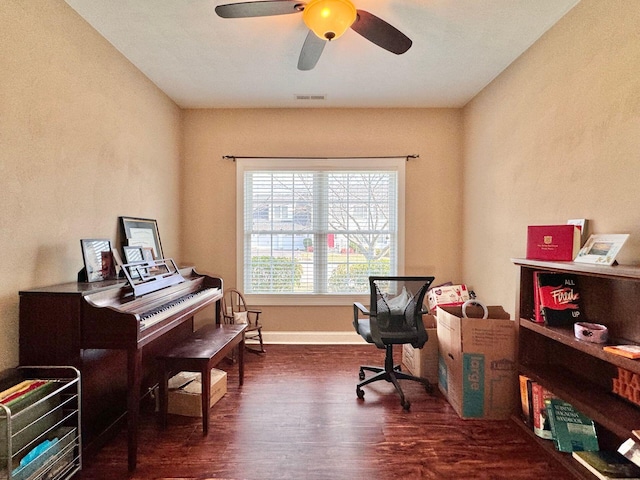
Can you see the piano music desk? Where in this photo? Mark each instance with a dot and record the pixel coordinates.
(200, 352)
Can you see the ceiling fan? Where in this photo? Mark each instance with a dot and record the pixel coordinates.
(327, 20)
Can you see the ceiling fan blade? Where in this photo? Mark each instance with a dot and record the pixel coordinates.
(259, 9)
(381, 33)
(311, 51)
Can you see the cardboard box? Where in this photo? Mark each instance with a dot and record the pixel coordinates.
(447, 296)
(423, 362)
(477, 371)
(186, 400)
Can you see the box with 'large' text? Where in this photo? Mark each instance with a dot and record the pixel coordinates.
(476, 365)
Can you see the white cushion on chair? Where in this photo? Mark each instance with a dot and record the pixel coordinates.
(399, 303)
(240, 318)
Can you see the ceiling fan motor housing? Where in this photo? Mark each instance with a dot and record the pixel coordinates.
(329, 19)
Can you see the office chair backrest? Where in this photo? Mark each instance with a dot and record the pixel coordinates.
(396, 310)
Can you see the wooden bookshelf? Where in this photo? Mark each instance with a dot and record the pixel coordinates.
(577, 371)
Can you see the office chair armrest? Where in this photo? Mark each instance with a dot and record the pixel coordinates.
(357, 309)
(358, 306)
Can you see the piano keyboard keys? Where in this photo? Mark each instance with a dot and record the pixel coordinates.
(165, 311)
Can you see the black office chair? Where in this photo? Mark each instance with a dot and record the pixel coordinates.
(394, 318)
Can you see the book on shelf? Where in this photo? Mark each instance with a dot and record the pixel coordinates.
(541, 422)
(583, 223)
(559, 298)
(553, 242)
(571, 430)
(537, 314)
(628, 351)
(630, 450)
(607, 465)
(526, 399)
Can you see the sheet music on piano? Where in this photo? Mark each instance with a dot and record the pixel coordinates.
(151, 275)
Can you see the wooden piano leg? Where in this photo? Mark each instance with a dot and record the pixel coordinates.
(134, 378)
(163, 393)
(241, 360)
(206, 392)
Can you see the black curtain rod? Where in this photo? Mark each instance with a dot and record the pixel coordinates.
(234, 157)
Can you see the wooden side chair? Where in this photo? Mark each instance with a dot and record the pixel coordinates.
(236, 311)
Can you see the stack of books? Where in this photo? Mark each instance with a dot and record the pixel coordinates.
(572, 432)
(554, 419)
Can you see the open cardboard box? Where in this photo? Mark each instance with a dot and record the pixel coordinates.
(477, 371)
(423, 362)
(187, 400)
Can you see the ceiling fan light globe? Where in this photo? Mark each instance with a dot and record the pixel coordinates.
(329, 19)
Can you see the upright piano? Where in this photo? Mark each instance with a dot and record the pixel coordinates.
(113, 337)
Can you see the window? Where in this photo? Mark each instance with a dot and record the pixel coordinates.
(316, 229)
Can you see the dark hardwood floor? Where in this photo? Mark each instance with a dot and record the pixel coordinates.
(297, 417)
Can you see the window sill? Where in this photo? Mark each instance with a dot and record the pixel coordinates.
(306, 299)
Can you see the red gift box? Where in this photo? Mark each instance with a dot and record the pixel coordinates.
(553, 242)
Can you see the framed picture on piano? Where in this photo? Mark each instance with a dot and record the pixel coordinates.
(98, 259)
(142, 232)
(132, 254)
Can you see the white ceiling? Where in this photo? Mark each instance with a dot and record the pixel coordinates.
(203, 61)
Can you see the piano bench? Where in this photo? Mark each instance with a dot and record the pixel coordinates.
(200, 352)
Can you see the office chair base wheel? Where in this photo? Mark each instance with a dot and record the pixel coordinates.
(406, 405)
(360, 392)
(361, 374)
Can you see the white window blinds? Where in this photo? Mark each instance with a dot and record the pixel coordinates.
(318, 227)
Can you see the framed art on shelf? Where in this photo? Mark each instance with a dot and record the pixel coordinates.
(601, 249)
(98, 259)
(142, 232)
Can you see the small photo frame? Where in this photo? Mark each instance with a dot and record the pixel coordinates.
(142, 232)
(602, 249)
(132, 254)
(147, 254)
(98, 259)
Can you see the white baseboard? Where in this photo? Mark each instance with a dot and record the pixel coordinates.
(312, 338)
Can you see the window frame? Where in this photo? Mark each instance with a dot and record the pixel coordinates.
(396, 164)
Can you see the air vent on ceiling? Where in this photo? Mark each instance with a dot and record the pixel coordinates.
(310, 97)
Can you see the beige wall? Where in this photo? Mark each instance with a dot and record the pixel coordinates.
(84, 137)
(556, 136)
(432, 189)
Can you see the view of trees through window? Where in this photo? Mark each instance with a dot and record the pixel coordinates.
(318, 231)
